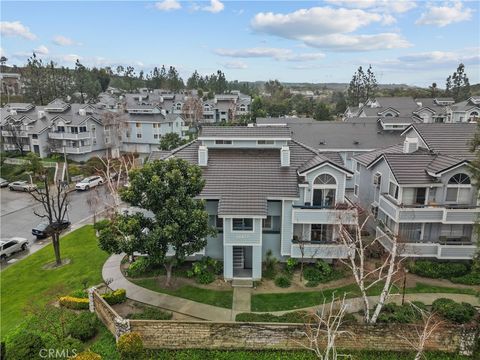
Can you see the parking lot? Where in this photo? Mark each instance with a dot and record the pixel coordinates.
(18, 218)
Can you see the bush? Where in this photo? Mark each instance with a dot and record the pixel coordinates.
(151, 313)
(312, 274)
(291, 317)
(472, 278)
(87, 355)
(79, 293)
(70, 346)
(115, 297)
(130, 346)
(270, 265)
(291, 265)
(456, 312)
(393, 313)
(438, 270)
(204, 271)
(101, 224)
(84, 326)
(24, 345)
(324, 267)
(320, 273)
(205, 278)
(283, 281)
(138, 267)
(74, 303)
(312, 284)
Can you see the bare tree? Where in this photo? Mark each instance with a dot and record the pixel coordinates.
(93, 202)
(17, 135)
(365, 278)
(55, 202)
(115, 124)
(431, 323)
(232, 110)
(326, 327)
(193, 110)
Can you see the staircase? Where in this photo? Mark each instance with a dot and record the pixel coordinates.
(238, 258)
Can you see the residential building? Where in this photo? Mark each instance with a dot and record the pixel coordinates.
(266, 191)
(421, 191)
(433, 110)
(464, 111)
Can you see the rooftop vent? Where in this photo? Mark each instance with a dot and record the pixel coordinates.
(356, 142)
(322, 142)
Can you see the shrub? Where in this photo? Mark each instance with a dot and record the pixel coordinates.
(24, 345)
(291, 317)
(70, 345)
(79, 293)
(115, 297)
(472, 278)
(270, 265)
(84, 326)
(312, 283)
(138, 267)
(130, 346)
(74, 303)
(312, 274)
(291, 265)
(205, 278)
(151, 313)
(101, 224)
(87, 355)
(393, 313)
(456, 312)
(324, 267)
(436, 270)
(283, 281)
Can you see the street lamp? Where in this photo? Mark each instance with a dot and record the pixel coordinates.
(405, 272)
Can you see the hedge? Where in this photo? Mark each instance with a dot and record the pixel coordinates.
(74, 303)
(115, 297)
(130, 346)
(438, 270)
(459, 313)
(87, 355)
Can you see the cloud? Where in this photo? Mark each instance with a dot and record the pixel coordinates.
(445, 15)
(326, 27)
(42, 50)
(215, 6)
(235, 65)
(395, 6)
(168, 5)
(16, 28)
(264, 52)
(2, 52)
(61, 40)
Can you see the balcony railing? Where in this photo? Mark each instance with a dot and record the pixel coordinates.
(318, 249)
(311, 214)
(74, 149)
(436, 213)
(68, 136)
(459, 251)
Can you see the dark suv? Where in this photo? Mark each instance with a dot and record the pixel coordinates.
(44, 230)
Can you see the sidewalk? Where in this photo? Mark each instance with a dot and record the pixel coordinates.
(241, 298)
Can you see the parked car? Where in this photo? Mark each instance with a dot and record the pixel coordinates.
(21, 186)
(89, 182)
(43, 229)
(11, 246)
(3, 183)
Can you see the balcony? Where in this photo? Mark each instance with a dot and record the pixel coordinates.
(439, 213)
(7, 133)
(77, 150)
(341, 214)
(318, 250)
(13, 147)
(69, 136)
(445, 250)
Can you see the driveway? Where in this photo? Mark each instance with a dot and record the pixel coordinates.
(18, 219)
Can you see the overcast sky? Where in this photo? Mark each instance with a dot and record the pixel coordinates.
(413, 42)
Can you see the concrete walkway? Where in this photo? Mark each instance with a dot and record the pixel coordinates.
(111, 270)
(241, 298)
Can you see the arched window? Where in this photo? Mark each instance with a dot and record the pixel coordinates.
(461, 178)
(458, 189)
(473, 116)
(388, 115)
(324, 191)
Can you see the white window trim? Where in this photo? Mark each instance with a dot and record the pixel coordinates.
(242, 231)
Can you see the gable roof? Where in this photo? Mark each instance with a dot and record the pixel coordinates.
(253, 132)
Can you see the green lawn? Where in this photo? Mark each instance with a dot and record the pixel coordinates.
(206, 296)
(27, 281)
(299, 300)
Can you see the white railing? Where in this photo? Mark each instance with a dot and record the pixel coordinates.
(68, 136)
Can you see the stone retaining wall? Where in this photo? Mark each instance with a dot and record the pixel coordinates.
(104, 311)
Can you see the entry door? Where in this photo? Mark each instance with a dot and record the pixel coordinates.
(317, 197)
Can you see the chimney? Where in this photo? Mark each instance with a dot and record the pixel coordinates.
(13, 112)
(41, 114)
(82, 112)
(202, 155)
(163, 112)
(285, 156)
(360, 105)
(410, 145)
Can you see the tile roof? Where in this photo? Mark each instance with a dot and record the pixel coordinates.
(253, 132)
(285, 120)
(368, 157)
(410, 168)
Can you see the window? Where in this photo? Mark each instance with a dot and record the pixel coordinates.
(74, 130)
(34, 136)
(462, 179)
(265, 142)
(138, 125)
(393, 190)
(127, 134)
(83, 129)
(244, 224)
(420, 196)
(325, 179)
(216, 222)
(139, 136)
(375, 211)
(324, 190)
(321, 232)
(223, 142)
(355, 190)
(357, 168)
(458, 189)
(267, 223)
(155, 136)
(61, 129)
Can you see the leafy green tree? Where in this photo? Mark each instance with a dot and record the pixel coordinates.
(169, 189)
(458, 85)
(192, 82)
(171, 141)
(103, 77)
(86, 85)
(257, 108)
(362, 86)
(34, 164)
(322, 112)
(433, 90)
(34, 81)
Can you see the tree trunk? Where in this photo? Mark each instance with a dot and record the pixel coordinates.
(168, 268)
(56, 248)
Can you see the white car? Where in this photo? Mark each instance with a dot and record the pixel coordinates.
(21, 186)
(13, 245)
(89, 183)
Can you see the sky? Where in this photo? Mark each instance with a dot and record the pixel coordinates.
(409, 42)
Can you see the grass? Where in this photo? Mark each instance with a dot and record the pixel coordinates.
(206, 296)
(27, 281)
(299, 300)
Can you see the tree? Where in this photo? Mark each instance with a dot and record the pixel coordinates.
(171, 141)
(433, 90)
(34, 164)
(356, 89)
(169, 189)
(369, 83)
(192, 82)
(193, 110)
(55, 202)
(458, 85)
(87, 86)
(383, 274)
(322, 112)
(3, 61)
(34, 81)
(103, 77)
(115, 124)
(17, 135)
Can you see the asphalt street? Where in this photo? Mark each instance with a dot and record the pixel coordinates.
(18, 218)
